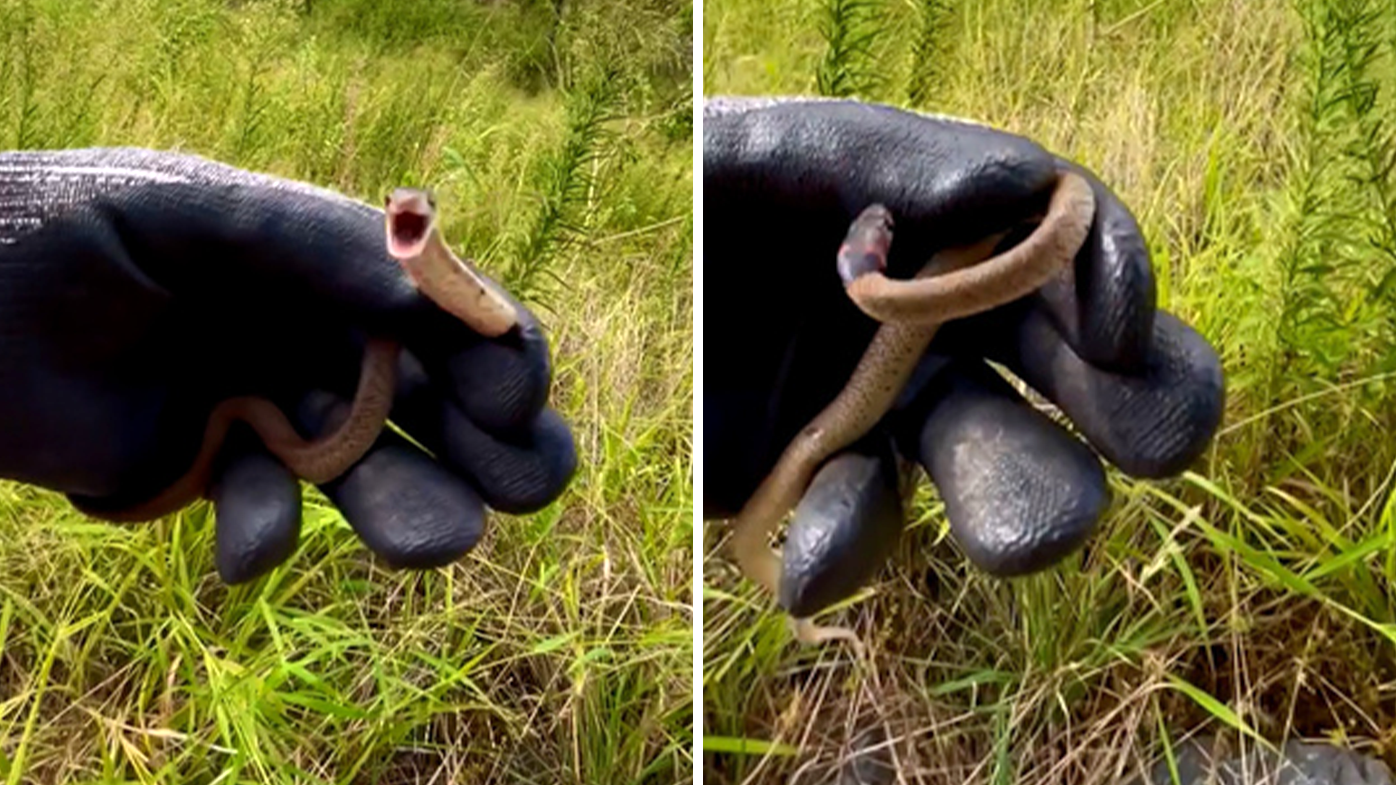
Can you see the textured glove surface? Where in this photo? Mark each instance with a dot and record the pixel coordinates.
(139, 288)
(782, 180)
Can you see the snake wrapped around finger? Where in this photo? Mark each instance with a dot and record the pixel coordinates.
(957, 282)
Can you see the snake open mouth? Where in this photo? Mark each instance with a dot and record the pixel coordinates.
(864, 248)
(410, 217)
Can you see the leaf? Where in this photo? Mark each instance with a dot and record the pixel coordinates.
(740, 746)
(1215, 707)
(551, 644)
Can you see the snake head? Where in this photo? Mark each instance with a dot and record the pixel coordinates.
(865, 247)
(415, 241)
(411, 216)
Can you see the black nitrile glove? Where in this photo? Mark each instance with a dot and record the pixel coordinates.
(138, 289)
(782, 181)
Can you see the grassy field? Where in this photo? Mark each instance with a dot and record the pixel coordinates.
(558, 136)
(1255, 596)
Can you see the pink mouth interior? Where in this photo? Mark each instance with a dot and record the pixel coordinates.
(408, 231)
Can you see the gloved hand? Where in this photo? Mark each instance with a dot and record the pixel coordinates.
(138, 289)
(782, 181)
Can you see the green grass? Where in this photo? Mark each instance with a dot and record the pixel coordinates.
(1255, 596)
(560, 649)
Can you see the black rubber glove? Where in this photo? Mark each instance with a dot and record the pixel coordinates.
(782, 180)
(138, 289)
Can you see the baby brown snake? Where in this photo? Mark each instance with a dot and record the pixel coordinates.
(415, 241)
(956, 282)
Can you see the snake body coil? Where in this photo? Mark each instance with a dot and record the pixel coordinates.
(955, 283)
(414, 239)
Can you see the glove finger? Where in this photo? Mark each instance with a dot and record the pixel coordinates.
(407, 508)
(1105, 308)
(257, 510)
(1151, 423)
(517, 471)
(844, 528)
(502, 384)
(1020, 492)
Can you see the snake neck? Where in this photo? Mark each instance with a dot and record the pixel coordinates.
(455, 286)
